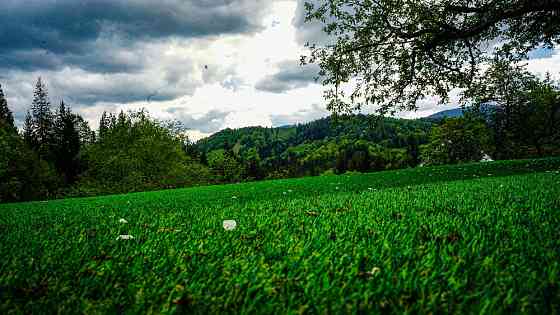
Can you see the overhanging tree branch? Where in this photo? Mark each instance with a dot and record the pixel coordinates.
(424, 47)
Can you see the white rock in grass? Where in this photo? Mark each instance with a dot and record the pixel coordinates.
(486, 158)
(123, 221)
(229, 225)
(125, 237)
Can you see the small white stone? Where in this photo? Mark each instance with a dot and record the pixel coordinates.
(123, 221)
(486, 158)
(229, 225)
(125, 237)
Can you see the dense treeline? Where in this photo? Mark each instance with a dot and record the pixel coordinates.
(353, 143)
(135, 152)
(56, 154)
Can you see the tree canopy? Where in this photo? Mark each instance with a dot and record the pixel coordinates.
(526, 109)
(392, 53)
(457, 140)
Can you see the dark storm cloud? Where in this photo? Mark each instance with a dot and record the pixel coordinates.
(210, 122)
(111, 51)
(291, 75)
(48, 34)
(95, 59)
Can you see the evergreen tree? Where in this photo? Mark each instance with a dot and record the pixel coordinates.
(28, 130)
(103, 126)
(67, 143)
(413, 150)
(6, 117)
(42, 119)
(121, 120)
(87, 136)
(112, 119)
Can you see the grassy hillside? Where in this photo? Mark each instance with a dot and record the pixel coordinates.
(468, 238)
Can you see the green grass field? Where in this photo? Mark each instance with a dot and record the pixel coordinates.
(477, 238)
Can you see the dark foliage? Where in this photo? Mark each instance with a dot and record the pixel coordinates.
(6, 117)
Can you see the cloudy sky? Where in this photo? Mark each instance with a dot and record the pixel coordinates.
(211, 64)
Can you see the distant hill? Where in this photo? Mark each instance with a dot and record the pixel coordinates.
(450, 113)
(459, 112)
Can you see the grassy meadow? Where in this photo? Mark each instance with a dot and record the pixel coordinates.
(473, 238)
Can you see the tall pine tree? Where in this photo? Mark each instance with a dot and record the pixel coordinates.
(67, 143)
(87, 136)
(23, 176)
(28, 131)
(103, 126)
(6, 117)
(42, 121)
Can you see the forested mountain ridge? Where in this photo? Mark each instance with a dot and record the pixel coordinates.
(341, 144)
(382, 130)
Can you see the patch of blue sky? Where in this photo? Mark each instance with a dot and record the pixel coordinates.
(540, 53)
